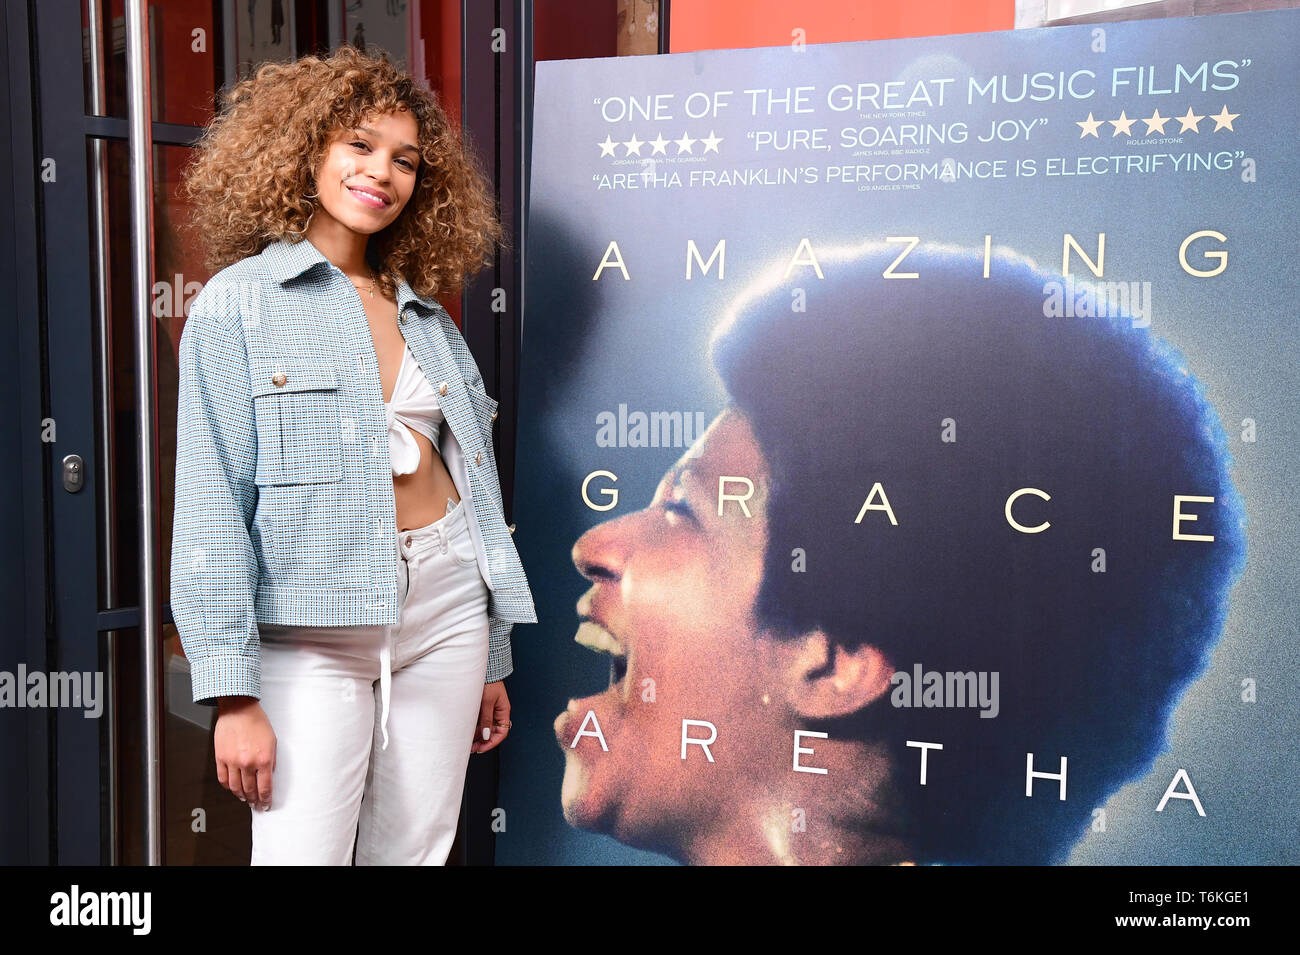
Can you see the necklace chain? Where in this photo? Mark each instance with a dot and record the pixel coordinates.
(372, 283)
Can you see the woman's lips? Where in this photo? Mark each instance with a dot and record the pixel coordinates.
(366, 198)
(606, 706)
(608, 703)
(592, 635)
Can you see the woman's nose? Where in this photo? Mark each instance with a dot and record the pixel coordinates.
(601, 552)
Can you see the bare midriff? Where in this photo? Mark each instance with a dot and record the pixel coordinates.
(419, 498)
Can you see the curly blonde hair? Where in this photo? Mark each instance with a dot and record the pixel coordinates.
(253, 176)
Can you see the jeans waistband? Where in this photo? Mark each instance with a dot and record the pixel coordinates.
(451, 525)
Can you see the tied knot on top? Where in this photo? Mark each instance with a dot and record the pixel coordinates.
(414, 406)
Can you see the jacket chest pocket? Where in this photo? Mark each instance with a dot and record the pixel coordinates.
(485, 411)
(299, 430)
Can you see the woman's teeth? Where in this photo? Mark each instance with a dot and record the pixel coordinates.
(596, 637)
(367, 197)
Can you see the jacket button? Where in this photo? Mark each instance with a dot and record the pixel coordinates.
(478, 459)
(511, 528)
(401, 317)
(442, 388)
(494, 416)
(278, 379)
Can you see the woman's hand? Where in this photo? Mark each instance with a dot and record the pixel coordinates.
(245, 749)
(494, 716)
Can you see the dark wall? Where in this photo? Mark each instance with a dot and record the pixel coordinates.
(24, 833)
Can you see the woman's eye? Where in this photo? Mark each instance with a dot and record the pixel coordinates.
(679, 507)
(405, 163)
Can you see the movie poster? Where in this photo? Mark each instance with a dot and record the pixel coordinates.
(907, 446)
(264, 30)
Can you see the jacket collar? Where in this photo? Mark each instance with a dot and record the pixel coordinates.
(287, 260)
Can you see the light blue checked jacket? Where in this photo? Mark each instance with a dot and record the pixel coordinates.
(284, 486)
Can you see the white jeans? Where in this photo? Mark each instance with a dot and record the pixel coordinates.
(373, 724)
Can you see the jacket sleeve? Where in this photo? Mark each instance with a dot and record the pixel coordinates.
(214, 568)
(500, 665)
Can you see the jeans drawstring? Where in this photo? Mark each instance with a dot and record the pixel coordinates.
(386, 651)
(386, 655)
(385, 681)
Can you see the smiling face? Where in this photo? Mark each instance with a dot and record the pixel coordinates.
(369, 173)
(672, 597)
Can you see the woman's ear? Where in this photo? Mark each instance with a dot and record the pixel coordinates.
(823, 678)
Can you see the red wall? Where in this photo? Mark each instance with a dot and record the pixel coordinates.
(730, 24)
(574, 29)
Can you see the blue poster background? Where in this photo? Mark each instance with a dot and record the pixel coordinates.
(593, 345)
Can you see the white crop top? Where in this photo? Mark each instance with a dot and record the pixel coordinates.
(414, 405)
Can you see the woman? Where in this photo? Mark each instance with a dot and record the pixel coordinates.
(757, 710)
(343, 580)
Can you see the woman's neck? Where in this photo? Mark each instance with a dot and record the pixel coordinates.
(779, 832)
(797, 819)
(343, 247)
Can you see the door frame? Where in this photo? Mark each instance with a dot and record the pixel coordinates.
(60, 803)
(28, 834)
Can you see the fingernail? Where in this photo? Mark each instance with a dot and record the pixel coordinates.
(266, 806)
(487, 734)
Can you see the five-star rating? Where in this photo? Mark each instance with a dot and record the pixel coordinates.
(1155, 123)
(659, 145)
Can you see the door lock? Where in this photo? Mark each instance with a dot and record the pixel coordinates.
(74, 473)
